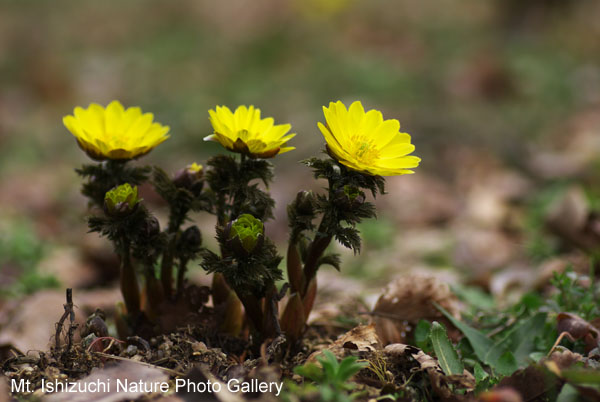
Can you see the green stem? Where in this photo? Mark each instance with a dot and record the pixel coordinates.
(176, 218)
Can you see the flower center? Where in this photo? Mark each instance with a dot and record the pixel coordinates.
(363, 148)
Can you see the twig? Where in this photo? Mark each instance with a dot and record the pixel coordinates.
(69, 312)
(560, 337)
(168, 370)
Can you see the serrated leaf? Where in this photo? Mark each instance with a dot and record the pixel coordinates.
(444, 351)
(348, 367)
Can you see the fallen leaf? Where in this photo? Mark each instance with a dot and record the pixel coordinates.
(571, 219)
(123, 371)
(532, 383)
(360, 339)
(409, 299)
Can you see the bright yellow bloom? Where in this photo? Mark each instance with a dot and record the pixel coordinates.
(115, 133)
(365, 142)
(245, 132)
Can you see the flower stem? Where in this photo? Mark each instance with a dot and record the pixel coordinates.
(129, 283)
(181, 277)
(316, 250)
(166, 268)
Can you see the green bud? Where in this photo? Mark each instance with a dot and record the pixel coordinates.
(121, 200)
(245, 234)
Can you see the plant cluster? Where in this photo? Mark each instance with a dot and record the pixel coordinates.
(362, 147)
(327, 381)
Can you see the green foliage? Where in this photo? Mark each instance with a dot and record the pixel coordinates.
(378, 234)
(572, 297)
(232, 192)
(301, 212)
(539, 244)
(330, 378)
(121, 230)
(252, 274)
(340, 213)
(103, 177)
(422, 338)
(445, 352)
(21, 250)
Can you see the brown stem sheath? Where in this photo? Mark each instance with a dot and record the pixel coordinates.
(129, 284)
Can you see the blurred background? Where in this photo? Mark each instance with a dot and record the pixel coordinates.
(501, 97)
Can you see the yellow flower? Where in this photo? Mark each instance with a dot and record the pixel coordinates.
(115, 133)
(365, 142)
(245, 132)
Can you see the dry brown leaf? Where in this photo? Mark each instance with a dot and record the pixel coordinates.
(132, 372)
(531, 382)
(515, 280)
(483, 250)
(424, 199)
(66, 265)
(359, 339)
(564, 358)
(576, 326)
(571, 218)
(571, 154)
(409, 299)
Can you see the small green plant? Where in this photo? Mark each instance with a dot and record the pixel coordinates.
(329, 380)
(573, 297)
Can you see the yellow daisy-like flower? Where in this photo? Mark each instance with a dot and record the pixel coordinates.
(243, 131)
(115, 132)
(365, 142)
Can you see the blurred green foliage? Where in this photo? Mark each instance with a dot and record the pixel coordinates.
(20, 252)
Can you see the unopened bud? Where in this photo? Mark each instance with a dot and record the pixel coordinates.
(245, 235)
(191, 237)
(305, 202)
(121, 200)
(189, 177)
